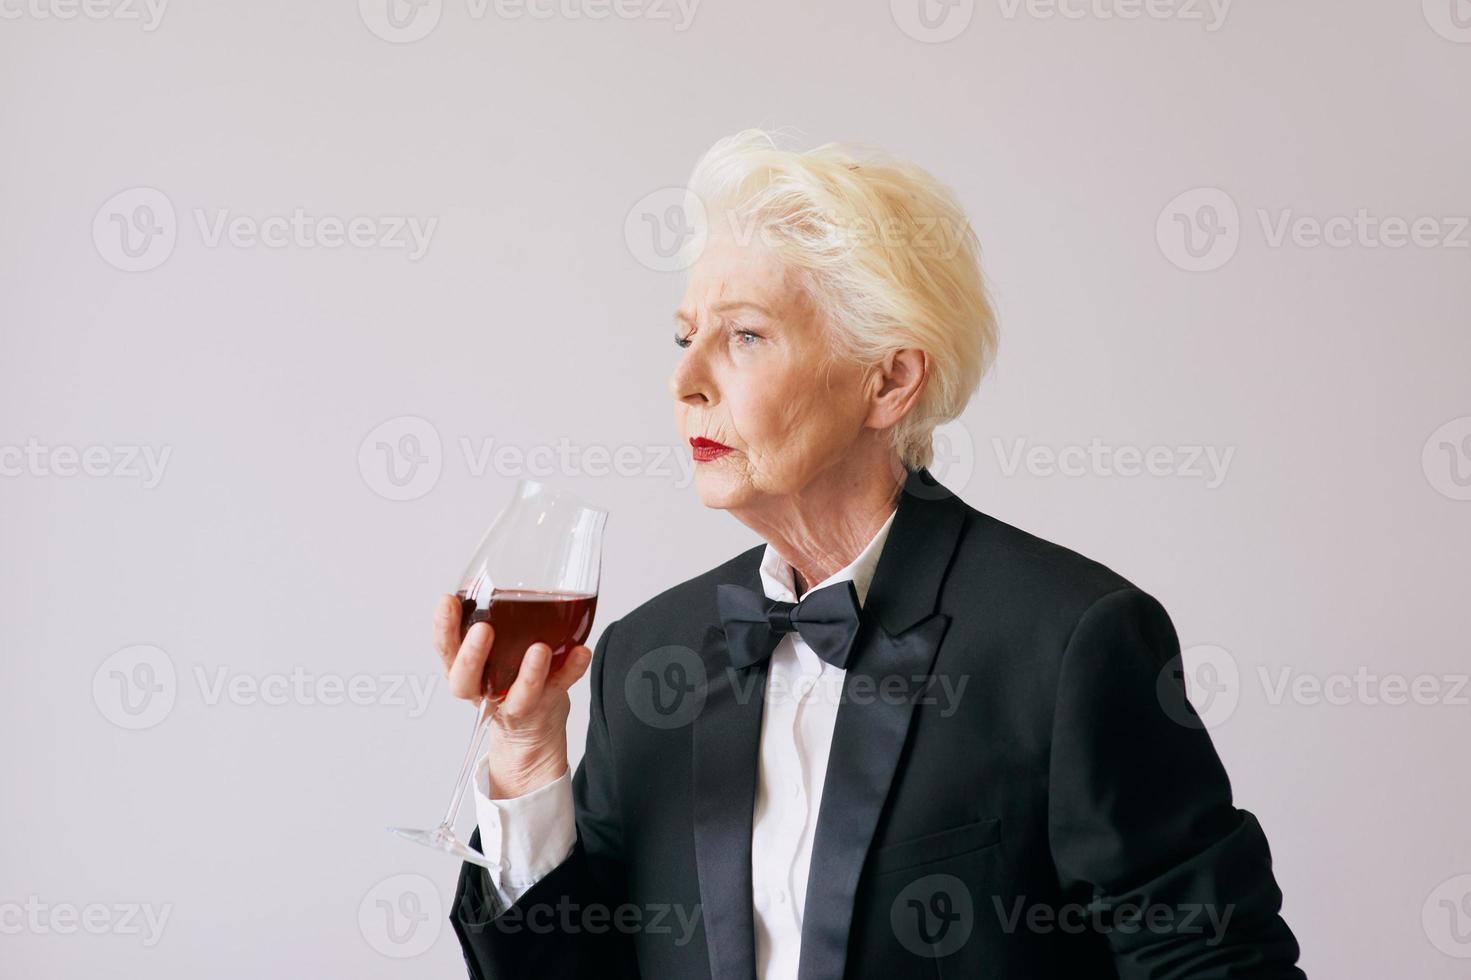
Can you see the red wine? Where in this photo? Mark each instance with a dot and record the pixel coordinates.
(561, 620)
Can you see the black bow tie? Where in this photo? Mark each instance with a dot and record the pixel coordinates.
(826, 618)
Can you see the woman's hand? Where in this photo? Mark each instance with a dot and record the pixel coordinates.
(528, 738)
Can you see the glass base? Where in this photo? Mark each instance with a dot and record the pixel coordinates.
(442, 838)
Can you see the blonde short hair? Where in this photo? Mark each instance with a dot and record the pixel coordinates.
(881, 248)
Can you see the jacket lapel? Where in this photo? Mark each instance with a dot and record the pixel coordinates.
(725, 755)
(900, 637)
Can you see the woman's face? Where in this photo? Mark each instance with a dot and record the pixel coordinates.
(749, 377)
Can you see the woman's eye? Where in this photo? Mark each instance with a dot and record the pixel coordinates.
(744, 338)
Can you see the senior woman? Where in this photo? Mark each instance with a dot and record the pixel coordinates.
(901, 738)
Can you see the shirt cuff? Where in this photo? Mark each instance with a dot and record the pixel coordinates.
(528, 836)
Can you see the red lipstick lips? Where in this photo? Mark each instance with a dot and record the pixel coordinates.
(707, 449)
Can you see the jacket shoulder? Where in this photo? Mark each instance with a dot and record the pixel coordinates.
(1017, 563)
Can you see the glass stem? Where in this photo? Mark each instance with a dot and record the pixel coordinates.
(483, 714)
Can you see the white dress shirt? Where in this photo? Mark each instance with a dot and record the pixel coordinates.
(532, 834)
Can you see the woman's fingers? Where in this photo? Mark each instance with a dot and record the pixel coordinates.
(466, 674)
(531, 678)
(574, 665)
(447, 629)
(464, 662)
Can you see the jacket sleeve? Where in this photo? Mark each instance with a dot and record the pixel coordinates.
(1141, 822)
(567, 924)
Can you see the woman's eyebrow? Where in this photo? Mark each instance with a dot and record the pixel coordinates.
(681, 316)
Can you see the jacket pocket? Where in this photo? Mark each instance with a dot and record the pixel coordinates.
(938, 846)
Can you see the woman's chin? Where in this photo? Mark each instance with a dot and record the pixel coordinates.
(719, 486)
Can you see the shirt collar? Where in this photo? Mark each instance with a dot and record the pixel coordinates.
(778, 582)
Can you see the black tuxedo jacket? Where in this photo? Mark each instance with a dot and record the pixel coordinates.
(1064, 815)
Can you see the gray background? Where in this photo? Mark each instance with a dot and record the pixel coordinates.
(1335, 544)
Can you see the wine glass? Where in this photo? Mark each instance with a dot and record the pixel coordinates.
(534, 578)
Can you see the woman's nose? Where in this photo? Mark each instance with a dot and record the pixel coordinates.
(690, 382)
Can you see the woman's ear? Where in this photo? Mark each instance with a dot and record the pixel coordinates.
(900, 379)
